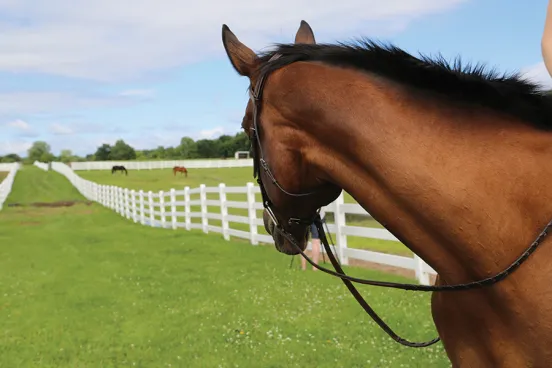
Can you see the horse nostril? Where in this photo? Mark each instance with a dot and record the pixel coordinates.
(268, 223)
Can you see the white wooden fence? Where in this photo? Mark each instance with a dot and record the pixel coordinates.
(7, 166)
(149, 165)
(171, 209)
(6, 184)
(41, 165)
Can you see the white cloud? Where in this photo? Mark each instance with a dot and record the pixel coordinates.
(19, 147)
(73, 136)
(21, 128)
(210, 133)
(19, 124)
(120, 40)
(81, 127)
(143, 93)
(59, 129)
(15, 103)
(538, 73)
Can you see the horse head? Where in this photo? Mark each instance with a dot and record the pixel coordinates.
(292, 189)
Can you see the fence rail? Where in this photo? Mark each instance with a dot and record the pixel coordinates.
(149, 165)
(7, 183)
(172, 209)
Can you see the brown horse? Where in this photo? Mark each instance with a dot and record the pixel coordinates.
(180, 169)
(454, 161)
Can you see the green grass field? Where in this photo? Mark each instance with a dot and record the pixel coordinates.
(156, 180)
(3, 175)
(82, 287)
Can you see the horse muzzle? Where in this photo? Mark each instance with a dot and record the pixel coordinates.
(282, 244)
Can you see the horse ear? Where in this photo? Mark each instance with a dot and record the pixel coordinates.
(243, 59)
(305, 34)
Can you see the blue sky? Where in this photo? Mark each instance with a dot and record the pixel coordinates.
(152, 71)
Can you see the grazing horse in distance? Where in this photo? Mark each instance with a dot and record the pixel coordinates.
(180, 169)
(119, 168)
(453, 160)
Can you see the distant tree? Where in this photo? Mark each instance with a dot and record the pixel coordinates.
(241, 142)
(208, 148)
(11, 157)
(187, 148)
(171, 153)
(142, 154)
(122, 151)
(40, 151)
(66, 156)
(158, 153)
(223, 146)
(103, 152)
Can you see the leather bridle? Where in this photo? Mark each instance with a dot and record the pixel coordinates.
(257, 153)
(259, 161)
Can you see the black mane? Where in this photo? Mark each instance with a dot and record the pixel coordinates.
(507, 93)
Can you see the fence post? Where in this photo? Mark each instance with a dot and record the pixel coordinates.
(252, 211)
(115, 198)
(127, 204)
(150, 202)
(133, 204)
(108, 196)
(341, 238)
(203, 200)
(142, 214)
(114, 204)
(187, 218)
(162, 208)
(421, 275)
(122, 201)
(100, 195)
(173, 208)
(106, 193)
(119, 200)
(223, 211)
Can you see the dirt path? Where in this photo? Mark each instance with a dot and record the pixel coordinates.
(50, 204)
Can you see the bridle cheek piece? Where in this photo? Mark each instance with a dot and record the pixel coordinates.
(259, 161)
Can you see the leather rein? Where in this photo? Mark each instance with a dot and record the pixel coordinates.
(258, 160)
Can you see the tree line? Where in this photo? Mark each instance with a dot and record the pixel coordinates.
(224, 146)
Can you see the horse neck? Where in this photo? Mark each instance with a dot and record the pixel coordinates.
(466, 192)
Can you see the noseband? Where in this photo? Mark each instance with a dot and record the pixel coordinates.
(258, 160)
